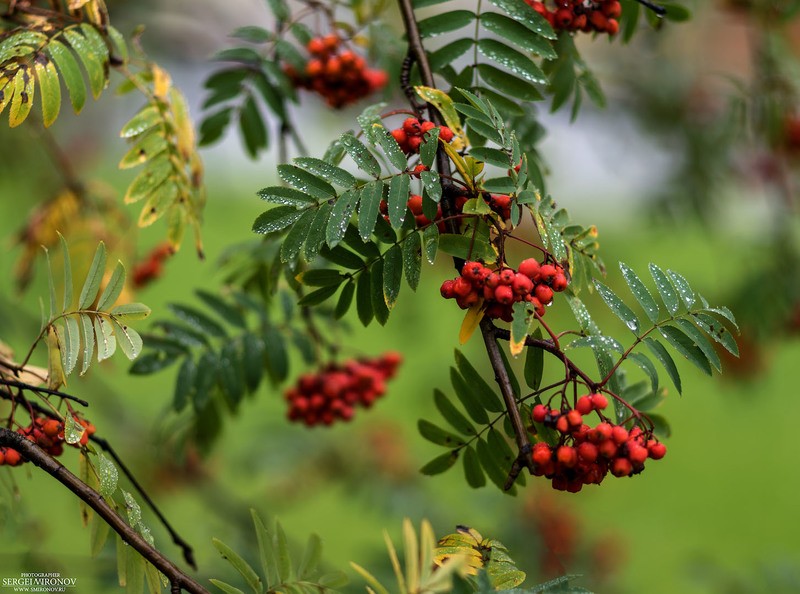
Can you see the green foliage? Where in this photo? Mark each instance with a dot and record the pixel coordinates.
(487, 558)
(71, 334)
(484, 449)
(280, 572)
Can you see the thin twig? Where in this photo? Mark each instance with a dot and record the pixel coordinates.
(32, 388)
(93, 499)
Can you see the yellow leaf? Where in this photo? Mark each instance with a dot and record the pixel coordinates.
(460, 165)
(471, 322)
(442, 101)
(55, 366)
(161, 82)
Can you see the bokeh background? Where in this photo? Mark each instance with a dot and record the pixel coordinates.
(688, 166)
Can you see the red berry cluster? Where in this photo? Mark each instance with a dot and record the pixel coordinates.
(339, 75)
(501, 288)
(581, 15)
(150, 269)
(410, 135)
(333, 393)
(585, 455)
(48, 434)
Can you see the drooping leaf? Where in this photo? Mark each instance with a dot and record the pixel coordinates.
(451, 414)
(360, 154)
(87, 341)
(398, 199)
(472, 469)
(445, 22)
(239, 564)
(129, 340)
(412, 259)
(534, 363)
(486, 395)
(49, 90)
(665, 359)
(440, 463)
(468, 397)
(686, 346)
(392, 274)
(512, 60)
(72, 344)
(70, 72)
(104, 335)
(306, 182)
(340, 217)
(437, 435)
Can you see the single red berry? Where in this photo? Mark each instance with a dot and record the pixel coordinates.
(542, 454)
(412, 126)
(400, 136)
(560, 282)
(563, 18)
(462, 287)
(445, 133)
(587, 452)
(414, 143)
(507, 276)
(636, 453)
(612, 27)
(544, 294)
(657, 450)
(599, 21)
(316, 46)
(619, 434)
(522, 285)
(529, 268)
(612, 9)
(427, 126)
(574, 419)
(621, 467)
(472, 271)
(504, 294)
(547, 273)
(562, 424)
(13, 457)
(492, 280)
(415, 204)
(599, 402)
(539, 412)
(447, 289)
(603, 431)
(607, 449)
(584, 405)
(567, 456)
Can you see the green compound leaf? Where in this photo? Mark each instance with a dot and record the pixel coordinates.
(640, 292)
(296, 237)
(622, 311)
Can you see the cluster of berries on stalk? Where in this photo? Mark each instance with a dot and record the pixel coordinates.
(500, 289)
(333, 393)
(48, 434)
(410, 135)
(601, 16)
(585, 455)
(152, 267)
(337, 73)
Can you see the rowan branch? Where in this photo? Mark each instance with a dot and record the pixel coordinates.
(93, 499)
(488, 329)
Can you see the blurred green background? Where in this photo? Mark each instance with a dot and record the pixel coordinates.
(718, 514)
